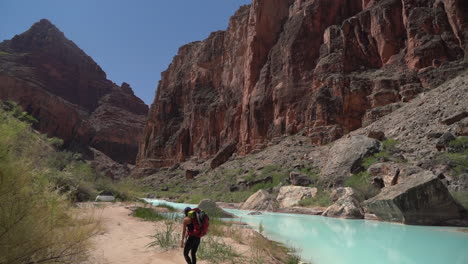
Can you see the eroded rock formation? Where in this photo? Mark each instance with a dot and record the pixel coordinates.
(61, 86)
(317, 67)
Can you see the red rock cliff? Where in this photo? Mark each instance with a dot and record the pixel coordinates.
(69, 93)
(317, 67)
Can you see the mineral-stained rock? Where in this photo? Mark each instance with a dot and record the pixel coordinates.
(260, 201)
(422, 200)
(345, 156)
(289, 196)
(346, 205)
(214, 210)
(62, 87)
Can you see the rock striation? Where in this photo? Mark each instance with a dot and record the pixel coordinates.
(70, 95)
(316, 67)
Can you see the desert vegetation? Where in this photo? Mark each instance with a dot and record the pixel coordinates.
(38, 184)
(37, 222)
(215, 248)
(361, 181)
(456, 159)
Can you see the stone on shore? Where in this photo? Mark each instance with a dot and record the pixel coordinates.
(422, 199)
(214, 210)
(291, 195)
(346, 205)
(260, 201)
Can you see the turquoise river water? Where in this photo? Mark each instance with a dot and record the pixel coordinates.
(323, 240)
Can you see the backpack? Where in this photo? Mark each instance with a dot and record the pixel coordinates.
(200, 221)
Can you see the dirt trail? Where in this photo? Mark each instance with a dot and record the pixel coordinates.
(124, 239)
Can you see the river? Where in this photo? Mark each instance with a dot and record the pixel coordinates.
(324, 240)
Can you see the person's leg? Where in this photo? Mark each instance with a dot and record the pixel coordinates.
(187, 248)
(195, 244)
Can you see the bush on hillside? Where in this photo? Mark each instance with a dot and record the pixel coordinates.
(457, 156)
(36, 222)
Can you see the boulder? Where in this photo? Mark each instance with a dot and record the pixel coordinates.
(422, 199)
(223, 155)
(255, 213)
(214, 210)
(346, 205)
(295, 178)
(105, 198)
(243, 184)
(191, 174)
(291, 195)
(462, 128)
(455, 118)
(260, 201)
(345, 156)
(460, 183)
(378, 135)
(444, 141)
(301, 210)
(390, 173)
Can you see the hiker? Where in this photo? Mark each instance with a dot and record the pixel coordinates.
(192, 242)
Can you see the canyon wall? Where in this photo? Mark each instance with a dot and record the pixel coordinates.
(320, 68)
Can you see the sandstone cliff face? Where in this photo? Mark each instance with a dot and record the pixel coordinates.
(316, 67)
(54, 80)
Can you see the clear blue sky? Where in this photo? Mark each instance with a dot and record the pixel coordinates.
(132, 40)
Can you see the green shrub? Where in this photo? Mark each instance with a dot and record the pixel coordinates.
(457, 156)
(17, 112)
(215, 250)
(322, 199)
(293, 257)
(461, 197)
(460, 144)
(168, 207)
(369, 161)
(55, 142)
(361, 183)
(195, 198)
(36, 222)
(148, 214)
(166, 238)
(389, 149)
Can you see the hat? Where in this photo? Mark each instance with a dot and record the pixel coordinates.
(187, 209)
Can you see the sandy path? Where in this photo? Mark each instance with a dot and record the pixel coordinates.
(124, 239)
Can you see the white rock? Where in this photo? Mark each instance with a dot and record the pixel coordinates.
(291, 195)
